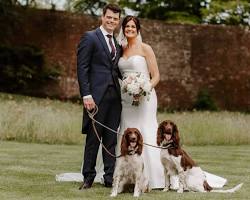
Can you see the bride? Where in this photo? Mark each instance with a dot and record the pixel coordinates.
(139, 57)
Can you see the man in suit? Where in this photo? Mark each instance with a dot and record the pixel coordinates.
(97, 70)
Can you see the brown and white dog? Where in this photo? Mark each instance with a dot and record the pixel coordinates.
(177, 162)
(129, 166)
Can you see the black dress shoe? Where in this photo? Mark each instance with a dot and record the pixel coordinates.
(85, 185)
(107, 184)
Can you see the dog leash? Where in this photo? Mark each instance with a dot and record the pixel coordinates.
(92, 114)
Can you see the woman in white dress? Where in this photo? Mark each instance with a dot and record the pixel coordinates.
(139, 57)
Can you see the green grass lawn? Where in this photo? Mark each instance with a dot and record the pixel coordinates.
(217, 141)
(27, 171)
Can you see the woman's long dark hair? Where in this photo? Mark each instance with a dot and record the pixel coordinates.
(129, 18)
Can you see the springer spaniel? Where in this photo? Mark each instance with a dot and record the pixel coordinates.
(177, 162)
(129, 166)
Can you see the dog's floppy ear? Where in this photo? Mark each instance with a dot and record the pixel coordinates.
(140, 142)
(124, 143)
(160, 133)
(176, 135)
(175, 129)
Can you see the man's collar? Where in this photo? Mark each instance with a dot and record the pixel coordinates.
(104, 32)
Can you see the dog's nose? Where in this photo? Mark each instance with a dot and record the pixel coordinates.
(168, 129)
(133, 139)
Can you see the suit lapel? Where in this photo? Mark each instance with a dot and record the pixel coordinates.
(104, 43)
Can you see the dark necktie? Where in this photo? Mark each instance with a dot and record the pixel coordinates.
(112, 53)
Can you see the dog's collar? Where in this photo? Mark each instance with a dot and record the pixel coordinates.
(132, 150)
(167, 144)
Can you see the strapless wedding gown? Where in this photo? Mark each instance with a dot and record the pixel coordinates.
(142, 117)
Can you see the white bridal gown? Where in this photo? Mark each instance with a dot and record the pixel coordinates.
(142, 117)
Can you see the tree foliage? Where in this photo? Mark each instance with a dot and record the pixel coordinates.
(187, 11)
(6, 6)
(9, 16)
(159, 9)
(91, 7)
(151, 9)
(227, 12)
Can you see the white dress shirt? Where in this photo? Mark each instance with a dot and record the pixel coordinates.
(105, 33)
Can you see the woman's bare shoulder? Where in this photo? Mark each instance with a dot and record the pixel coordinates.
(146, 48)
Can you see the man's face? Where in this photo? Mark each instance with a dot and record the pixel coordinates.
(110, 21)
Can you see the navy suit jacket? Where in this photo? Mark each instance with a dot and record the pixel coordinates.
(95, 68)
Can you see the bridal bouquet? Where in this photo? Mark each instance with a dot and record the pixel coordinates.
(136, 85)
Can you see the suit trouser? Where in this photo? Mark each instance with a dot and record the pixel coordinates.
(109, 114)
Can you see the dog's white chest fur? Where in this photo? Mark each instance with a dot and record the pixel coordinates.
(129, 170)
(170, 162)
(130, 166)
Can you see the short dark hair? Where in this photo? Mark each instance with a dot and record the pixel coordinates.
(114, 7)
(134, 19)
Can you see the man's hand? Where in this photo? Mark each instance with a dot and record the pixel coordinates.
(89, 103)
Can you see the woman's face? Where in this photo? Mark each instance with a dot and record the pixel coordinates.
(130, 30)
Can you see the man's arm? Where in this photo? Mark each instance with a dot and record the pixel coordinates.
(84, 57)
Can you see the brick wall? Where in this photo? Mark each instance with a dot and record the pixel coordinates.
(190, 58)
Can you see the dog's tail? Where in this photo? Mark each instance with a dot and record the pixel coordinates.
(234, 189)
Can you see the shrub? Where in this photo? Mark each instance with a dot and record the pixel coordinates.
(204, 101)
(22, 69)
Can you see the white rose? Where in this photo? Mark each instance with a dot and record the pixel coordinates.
(133, 88)
(147, 87)
(132, 75)
(141, 80)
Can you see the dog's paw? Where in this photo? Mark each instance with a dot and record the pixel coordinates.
(120, 190)
(165, 189)
(180, 190)
(113, 194)
(136, 194)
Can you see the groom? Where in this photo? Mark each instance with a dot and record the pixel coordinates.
(97, 71)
